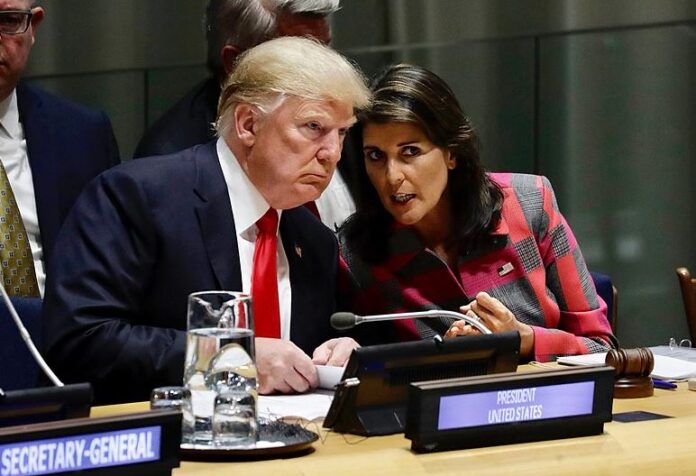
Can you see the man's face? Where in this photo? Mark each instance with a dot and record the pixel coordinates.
(291, 153)
(14, 49)
(305, 24)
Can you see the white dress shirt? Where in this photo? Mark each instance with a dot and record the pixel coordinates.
(248, 206)
(335, 204)
(13, 153)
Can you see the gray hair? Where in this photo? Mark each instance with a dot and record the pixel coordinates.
(290, 66)
(247, 23)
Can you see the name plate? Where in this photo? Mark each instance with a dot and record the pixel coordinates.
(509, 408)
(145, 443)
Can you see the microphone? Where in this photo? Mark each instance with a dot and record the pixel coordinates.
(347, 320)
(24, 333)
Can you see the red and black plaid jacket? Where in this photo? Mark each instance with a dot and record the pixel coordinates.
(531, 263)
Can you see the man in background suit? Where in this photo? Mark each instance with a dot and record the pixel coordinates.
(234, 26)
(50, 149)
(146, 234)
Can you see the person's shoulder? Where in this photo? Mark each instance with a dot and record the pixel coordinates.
(29, 95)
(165, 169)
(519, 182)
(156, 183)
(302, 215)
(301, 219)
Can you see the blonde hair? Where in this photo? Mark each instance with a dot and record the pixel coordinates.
(290, 66)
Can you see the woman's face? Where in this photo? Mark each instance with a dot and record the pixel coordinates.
(408, 171)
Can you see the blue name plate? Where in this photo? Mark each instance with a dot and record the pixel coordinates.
(517, 405)
(509, 408)
(78, 453)
(147, 443)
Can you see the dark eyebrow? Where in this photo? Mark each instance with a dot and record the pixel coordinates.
(408, 142)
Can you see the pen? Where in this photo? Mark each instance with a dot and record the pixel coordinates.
(658, 383)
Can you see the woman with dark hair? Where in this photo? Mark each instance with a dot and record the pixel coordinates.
(433, 230)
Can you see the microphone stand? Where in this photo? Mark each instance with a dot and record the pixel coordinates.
(434, 313)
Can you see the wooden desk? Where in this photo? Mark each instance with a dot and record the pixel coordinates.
(653, 447)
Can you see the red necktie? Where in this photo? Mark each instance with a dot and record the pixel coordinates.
(264, 278)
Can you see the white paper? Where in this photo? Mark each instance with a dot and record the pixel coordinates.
(329, 376)
(665, 367)
(584, 360)
(308, 406)
(681, 353)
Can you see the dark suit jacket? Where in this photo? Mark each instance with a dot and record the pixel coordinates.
(67, 145)
(140, 239)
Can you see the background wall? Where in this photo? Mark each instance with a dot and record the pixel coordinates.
(599, 96)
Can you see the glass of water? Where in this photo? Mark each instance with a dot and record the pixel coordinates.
(234, 420)
(175, 398)
(219, 354)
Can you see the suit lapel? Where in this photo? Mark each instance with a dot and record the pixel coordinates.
(430, 281)
(294, 248)
(215, 219)
(305, 331)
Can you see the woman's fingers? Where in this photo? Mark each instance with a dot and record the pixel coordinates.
(491, 304)
(491, 312)
(494, 314)
(460, 328)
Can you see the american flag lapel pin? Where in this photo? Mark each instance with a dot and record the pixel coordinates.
(298, 250)
(505, 269)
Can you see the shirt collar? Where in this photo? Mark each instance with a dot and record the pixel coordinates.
(9, 115)
(248, 205)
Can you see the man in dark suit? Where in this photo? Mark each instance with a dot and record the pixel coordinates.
(233, 26)
(50, 148)
(146, 234)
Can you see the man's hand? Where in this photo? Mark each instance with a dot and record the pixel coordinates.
(282, 367)
(334, 352)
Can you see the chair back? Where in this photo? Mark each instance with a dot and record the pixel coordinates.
(18, 370)
(607, 291)
(688, 289)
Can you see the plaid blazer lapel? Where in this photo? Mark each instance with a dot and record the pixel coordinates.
(423, 281)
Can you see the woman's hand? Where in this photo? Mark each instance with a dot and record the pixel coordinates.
(462, 328)
(498, 318)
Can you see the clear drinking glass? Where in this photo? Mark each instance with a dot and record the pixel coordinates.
(175, 398)
(219, 354)
(234, 419)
